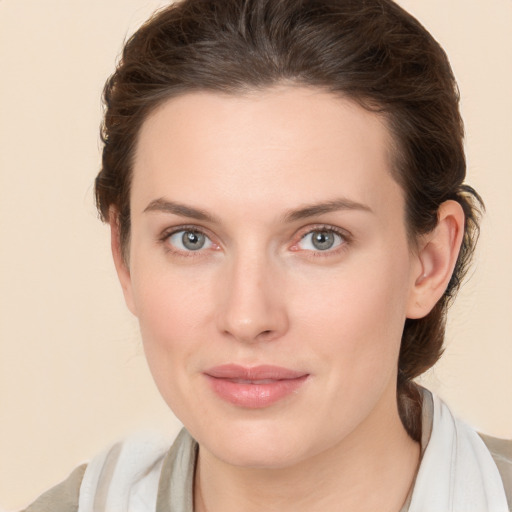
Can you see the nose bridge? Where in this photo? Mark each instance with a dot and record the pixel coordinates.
(252, 308)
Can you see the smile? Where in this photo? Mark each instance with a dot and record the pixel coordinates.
(254, 387)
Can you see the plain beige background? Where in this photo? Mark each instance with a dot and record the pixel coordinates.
(72, 372)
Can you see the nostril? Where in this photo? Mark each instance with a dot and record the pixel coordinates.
(265, 335)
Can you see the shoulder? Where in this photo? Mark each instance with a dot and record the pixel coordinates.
(62, 497)
(500, 448)
(501, 451)
(126, 475)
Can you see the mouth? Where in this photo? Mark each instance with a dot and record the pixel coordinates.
(254, 387)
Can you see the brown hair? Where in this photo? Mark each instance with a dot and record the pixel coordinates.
(371, 51)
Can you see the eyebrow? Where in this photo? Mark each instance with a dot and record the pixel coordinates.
(325, 207)
(166, 206)
(305, 212)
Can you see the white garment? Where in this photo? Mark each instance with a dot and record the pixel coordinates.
(124, 478)
(457, 472)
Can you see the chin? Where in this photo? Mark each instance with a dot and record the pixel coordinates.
(257, 456)
(259, 445)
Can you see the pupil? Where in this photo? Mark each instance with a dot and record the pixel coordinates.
(323, 240)
(193, 241)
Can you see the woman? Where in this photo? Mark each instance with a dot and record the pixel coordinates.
(284, 186)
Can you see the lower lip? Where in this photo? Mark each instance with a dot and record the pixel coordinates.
(255, 396)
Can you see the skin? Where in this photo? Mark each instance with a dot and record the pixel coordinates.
(260, 292)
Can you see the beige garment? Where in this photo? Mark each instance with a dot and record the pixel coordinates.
(62, 497)
(175, 489)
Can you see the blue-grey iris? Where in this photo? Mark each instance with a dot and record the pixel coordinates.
(322, 240)
(193, 241)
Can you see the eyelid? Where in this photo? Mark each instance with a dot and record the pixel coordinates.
(300, 234)
(303, 232)
(167, 233)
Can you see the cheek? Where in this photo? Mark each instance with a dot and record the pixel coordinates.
(357, 316)
(174, 316)
(353, 325)
(169, 300)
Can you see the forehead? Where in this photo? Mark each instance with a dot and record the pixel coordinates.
(277, 146)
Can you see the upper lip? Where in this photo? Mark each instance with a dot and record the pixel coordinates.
(253, 373)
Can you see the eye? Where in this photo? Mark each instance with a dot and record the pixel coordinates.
(321, 240)
(188, 240)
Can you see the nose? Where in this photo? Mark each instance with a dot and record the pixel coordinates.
(252, 306)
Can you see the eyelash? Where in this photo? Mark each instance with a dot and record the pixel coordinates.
(164, 240)
(344, 235)
(346, 240)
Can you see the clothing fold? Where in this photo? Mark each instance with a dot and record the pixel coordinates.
(457, 472)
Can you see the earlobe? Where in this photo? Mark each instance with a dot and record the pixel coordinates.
(436, 259)
(122, 268)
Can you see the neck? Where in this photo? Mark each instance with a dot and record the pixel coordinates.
(372, 469)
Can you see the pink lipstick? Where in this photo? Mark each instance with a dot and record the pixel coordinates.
(255, 387)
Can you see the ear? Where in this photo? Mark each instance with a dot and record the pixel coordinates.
(122, 268)
(436, 258)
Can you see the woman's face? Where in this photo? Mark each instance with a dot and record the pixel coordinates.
(270, 270)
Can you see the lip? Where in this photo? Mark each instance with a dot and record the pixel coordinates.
(254, 387)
